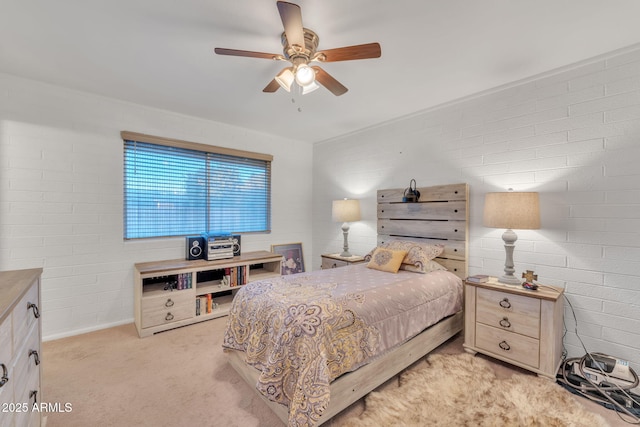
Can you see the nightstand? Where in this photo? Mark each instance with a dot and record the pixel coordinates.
(335, 260)
(515, 325)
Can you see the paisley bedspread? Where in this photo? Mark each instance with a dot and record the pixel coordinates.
(303, 331)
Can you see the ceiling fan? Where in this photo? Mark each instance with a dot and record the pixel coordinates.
(299, 48)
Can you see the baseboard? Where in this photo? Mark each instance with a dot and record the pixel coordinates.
(75, 332)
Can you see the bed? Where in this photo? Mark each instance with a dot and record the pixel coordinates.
(312, 344)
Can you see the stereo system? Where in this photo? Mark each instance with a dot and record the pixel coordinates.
(211, 246)
(218, 246)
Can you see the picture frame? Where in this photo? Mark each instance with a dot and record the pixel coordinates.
(293, 261)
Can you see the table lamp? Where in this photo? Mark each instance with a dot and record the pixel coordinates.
(345, 211)
(519, 210)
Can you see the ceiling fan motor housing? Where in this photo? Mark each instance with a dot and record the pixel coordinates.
(301, 54)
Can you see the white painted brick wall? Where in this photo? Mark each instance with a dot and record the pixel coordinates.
(573, 135)
(61, 197)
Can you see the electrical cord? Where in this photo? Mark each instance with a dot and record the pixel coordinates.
(600, 393)
(564, 321)
(551, 288)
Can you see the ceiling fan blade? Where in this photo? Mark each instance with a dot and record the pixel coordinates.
(247, 53)
(334, 86)
(291, 16)
(272, 86)
(348, 53)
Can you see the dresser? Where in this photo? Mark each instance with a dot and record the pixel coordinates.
(335, 260)
(516, 325)
(20, 340)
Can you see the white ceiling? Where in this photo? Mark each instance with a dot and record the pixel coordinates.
(160, 53)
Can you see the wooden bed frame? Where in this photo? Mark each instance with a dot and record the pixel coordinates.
(441, 216)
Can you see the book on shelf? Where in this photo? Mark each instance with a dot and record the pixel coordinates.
(209, 303)
(240, 275)
(227, 275)
(197, 306)
(184, 281)
(478, 278)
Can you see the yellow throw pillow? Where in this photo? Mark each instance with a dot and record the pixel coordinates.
(418, 254)
(386, 259)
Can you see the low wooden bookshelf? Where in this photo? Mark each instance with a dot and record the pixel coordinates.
(174, 293)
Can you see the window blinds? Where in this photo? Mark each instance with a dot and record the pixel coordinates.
(173, 191)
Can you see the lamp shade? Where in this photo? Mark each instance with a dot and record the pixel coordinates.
(512, 210)
(310, 88)
(346, 210)
(285, 78)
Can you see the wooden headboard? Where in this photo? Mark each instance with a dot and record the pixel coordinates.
(441, 216)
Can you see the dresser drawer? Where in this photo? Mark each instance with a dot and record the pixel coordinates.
(28, 391)
(27, 359)
(20, 333)
(508, 345)
(6, 398)
(25, 315)
(168, 308)
(509, 312)
(6, 341)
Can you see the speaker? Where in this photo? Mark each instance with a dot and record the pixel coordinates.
(195, 247)
(236, 244)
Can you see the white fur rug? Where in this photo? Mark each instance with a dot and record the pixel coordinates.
(462, 390)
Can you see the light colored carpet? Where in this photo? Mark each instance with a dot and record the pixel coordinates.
(176, 378)
(463, 390)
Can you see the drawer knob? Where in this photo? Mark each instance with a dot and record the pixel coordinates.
(334, 265)
(505, 346)
(5, 375)
(168, 317)
(505, 303)
(169, 303)
(36, 356)
(505, 323)
(36, 312)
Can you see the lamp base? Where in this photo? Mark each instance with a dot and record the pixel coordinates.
(509, 280)
(345, 247)
(509, 237)
(346, 254)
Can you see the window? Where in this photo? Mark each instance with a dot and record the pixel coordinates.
(176, 188)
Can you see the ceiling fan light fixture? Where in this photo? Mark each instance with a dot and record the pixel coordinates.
(285, 79)
(310, 88)
(305, 75)
(299, 48)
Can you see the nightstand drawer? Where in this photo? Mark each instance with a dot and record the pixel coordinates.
(332, 263)
(508, 345)
(514, 313)
(335, 260)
